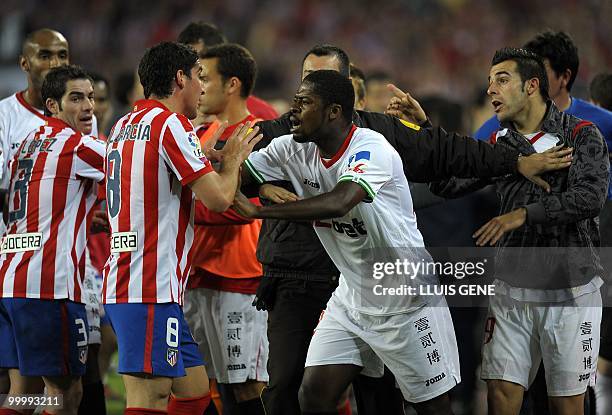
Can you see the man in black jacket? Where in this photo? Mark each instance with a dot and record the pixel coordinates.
(547, 304)
(299, 277)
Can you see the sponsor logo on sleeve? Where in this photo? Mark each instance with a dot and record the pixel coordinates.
(357, 161)
(194, 142)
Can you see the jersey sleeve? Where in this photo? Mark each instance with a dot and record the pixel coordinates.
(4, 152)
(180, 149)
(370, 165)
(89, 160)
(267, 164)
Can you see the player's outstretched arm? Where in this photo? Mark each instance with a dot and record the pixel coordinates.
(217, 190)
(432, 154)
(404, 107)
(334, 204)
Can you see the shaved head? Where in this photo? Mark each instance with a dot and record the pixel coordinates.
(42, 37)
(42, 51)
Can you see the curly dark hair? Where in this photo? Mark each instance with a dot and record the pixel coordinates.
(159, 66)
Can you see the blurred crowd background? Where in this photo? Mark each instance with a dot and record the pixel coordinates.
(440, 47)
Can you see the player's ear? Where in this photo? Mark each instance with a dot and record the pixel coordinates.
(52, 106)
(532, 86)
(233, 85)
(565, 77)
(179, 78)
(335, 111)
(24, 64)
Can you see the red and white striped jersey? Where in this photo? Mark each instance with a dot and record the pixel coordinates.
(52, 189)
(151, 156)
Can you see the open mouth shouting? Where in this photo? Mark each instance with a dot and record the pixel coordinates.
(497, 105)
(295, 123)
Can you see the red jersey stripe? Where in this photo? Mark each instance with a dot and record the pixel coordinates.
(58, 209)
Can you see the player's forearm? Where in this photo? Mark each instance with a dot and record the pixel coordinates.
(326, 206)
(456, 187)
(229, 178)
(433, 155)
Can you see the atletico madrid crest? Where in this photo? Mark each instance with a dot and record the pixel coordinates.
(172, 356)
(83, 355)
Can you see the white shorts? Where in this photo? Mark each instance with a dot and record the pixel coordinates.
(419, 347)
(231, 334)
(565, 336)
(91, 298)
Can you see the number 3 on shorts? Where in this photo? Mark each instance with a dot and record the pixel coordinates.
(82, 331)
(172, 332)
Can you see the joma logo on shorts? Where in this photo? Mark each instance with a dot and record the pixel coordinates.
(236, 367)
(435, 379)
(583, 377)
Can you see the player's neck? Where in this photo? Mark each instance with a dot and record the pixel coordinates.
(530, 119)
(32, 97)
(563, 100)
(234, 112)
(330, 145)
(172, 102)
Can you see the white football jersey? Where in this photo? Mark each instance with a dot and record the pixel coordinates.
(17, 120)
(381, 229)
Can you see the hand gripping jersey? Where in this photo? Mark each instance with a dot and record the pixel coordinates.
(380, 228)
(51, 193)
(151, 156)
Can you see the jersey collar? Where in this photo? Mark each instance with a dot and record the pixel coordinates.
(149, 103)
(24, 103)
(56, 123)
(340, 152)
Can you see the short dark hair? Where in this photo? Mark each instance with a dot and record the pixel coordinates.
(201, 31)
(358, 74)
(560, 51)
(601, 90)
(528, 64)
(355, 72)
(378, 75)
(333, 88)
(331, 50)
(159, 65)
(234, 60)
(54, 85)
(96, 77)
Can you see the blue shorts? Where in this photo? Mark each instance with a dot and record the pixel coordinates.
(104, 320)
(153, 339)
(43, 337)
